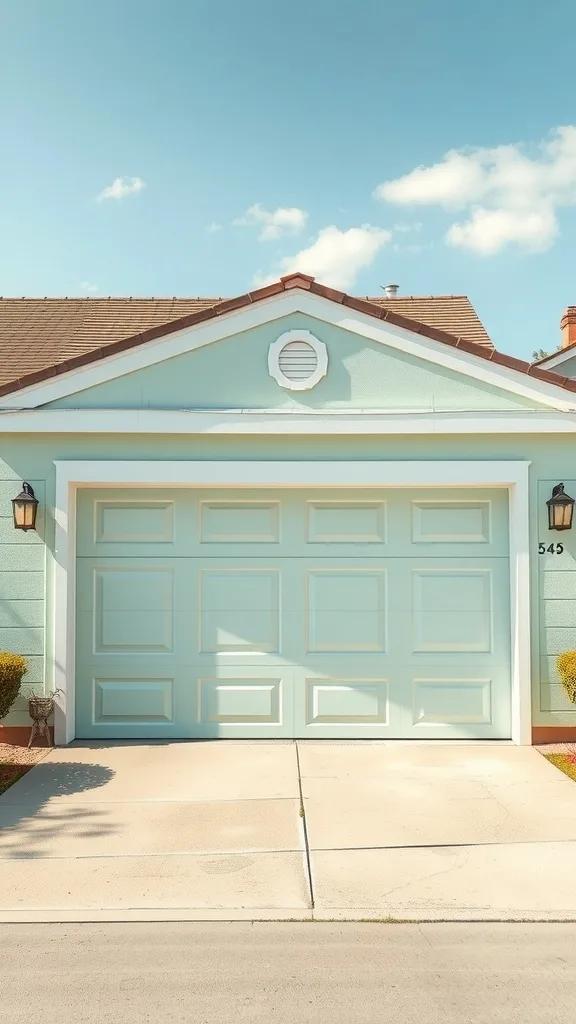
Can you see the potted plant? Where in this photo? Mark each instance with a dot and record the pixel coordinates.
(12, 669)
(567, 671)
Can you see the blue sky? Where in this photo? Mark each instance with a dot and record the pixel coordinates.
(314, 117)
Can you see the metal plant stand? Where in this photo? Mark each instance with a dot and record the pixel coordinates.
(40, 709)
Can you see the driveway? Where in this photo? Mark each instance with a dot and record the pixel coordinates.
(226, 830)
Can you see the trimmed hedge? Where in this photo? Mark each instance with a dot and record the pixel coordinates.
(12, 668)
(567, 670)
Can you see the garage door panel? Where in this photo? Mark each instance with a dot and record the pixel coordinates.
(239, 522)
(346, 522)
(346, 610)
(313, 614)
(452, 610)
(447, 523)
(338, 700)
(133, 700)
(245, 699)
(135, 523)
(239, 609)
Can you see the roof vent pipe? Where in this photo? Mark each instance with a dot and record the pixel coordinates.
(391, 291)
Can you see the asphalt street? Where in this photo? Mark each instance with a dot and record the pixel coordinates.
(288, 972)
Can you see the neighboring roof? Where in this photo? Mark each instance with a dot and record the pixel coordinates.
(553, 358)
(454, 314)
(37, 334)
(26, 353)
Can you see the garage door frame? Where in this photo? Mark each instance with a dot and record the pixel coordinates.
(72, 475)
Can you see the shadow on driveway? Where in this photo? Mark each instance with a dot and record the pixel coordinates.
(30, 816)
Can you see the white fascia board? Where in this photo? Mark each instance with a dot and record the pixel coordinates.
(268, 310)
(274, 422)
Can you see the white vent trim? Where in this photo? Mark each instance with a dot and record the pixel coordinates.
(303, 365)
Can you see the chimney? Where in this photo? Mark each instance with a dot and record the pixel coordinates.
(568, 327)
(391, 291)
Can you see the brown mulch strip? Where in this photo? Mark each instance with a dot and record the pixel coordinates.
(15, 761)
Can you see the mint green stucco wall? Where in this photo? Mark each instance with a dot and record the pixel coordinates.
(233, 374)
(24, 611)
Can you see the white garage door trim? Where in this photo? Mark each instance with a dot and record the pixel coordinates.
(71, 475)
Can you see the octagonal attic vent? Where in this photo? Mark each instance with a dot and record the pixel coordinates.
(297, 360)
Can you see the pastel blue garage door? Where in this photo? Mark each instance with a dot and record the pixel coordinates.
(293, 613)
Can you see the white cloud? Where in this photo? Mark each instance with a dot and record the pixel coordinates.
(213, 227)
(88, 287)
(274, 223)
(508, 197)
(122, 187)
(335, 257)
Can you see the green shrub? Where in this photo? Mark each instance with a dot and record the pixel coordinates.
(567, 670)
(12, 668)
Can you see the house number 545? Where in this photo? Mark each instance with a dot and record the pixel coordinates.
(552, 549)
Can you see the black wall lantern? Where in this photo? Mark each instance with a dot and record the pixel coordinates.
(560, 509)
(24, 508)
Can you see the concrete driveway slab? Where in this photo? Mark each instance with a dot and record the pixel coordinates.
(267, 881)
(209, 770)
(377, 813)
(532, 881)
(141, 828)
(500, 763)
(161, 828)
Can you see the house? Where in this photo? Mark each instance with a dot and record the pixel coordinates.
(292, 513)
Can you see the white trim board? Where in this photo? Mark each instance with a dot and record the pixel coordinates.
(70, 476)
(279, 422)
(265, 312)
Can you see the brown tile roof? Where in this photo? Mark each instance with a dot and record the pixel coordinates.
(39, 333)
(37, 346)
(454, 314)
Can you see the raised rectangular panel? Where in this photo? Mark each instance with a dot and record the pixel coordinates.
(452, 610)
(346, 522)
(136, 522)
(133, 700)
(346, 701)
(452, 701)
(230, 522)
(133, 610)
(229, 701)
(451, 522)
(346, 610)
(239, 610)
